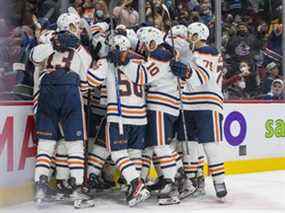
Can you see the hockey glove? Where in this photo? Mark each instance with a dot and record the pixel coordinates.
(118, 57)
(180, 70)
(64, 41)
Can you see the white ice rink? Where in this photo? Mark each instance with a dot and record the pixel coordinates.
(251, 193)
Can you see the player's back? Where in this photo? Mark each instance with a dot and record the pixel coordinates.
(74, 60)
(207, 94)
(162, 94)
(132, 97)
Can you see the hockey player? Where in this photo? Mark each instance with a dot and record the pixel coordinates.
(203, 109)
(181, 47)
(163, 108)
(60, 106)
(126, 117)
(98, 153)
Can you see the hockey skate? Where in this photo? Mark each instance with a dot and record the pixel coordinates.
(43, 193)
(157, 185)
(98, 184)
(63, 190)
(168, 195)
(137, 192)
(188, 189)
(79, 198)
(221, 191)
(201, 186)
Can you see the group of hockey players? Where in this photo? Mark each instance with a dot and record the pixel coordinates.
(146, 98)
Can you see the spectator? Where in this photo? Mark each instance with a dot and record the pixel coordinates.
(273, 51)
(272, 72)
(238, 86)
(276, 92)
(88, 12)
(155, 15)
(243, 46)
(101, 12)
(125, 14)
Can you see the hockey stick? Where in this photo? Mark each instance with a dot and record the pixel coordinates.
(117, 83)
(164, 7)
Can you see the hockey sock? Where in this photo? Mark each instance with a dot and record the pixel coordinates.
(45, 151)
(156, 164)
(75, 160)
(201, 160)
(125, 165)
(176, 147)
(96, 159)
(146, 162)
(136, 156)
(216, 164)
(52, 170)
(166, 161)
(190, 160)
(61, 157)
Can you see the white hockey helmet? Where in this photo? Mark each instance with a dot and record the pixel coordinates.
(121, 42)
(200, 29)
(69, 22)
(121, 27)
(151, 37)
(180, 31)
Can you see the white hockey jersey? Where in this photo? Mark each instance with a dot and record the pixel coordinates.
(132, 96)
(162, 94)
(76, 60)
(95, 101)
(203, 91)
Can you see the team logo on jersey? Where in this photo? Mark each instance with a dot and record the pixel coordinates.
(78, 133)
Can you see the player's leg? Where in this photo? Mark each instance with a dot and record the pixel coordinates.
(98, 153)
(147, 154)
(47, 133)
(200, 173)
(211, 138)
(74, 130)
(190, 155)
(161, 127)
(118, 146)
(136, 143)
(62, 171)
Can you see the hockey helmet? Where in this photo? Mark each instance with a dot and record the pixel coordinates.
(121, 42)
(199, 29)
(151, 37)
(69, 22)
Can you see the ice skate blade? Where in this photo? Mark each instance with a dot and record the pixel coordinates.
(83, 204)
(221, 199)
(144, 195)
(168, 201)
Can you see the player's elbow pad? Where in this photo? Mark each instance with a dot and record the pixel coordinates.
(41, 53)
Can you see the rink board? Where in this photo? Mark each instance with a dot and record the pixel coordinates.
(254, 141)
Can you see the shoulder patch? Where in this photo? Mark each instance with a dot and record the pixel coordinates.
(161, 54)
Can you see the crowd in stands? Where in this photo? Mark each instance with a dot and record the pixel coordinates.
(251, 39)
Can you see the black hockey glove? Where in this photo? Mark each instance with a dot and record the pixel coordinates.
(180, 70)
(64, 41)
(118, 57)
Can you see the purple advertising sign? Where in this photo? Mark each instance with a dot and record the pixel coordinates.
(231, 139)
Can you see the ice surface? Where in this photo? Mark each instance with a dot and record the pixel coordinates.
(250, 193)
